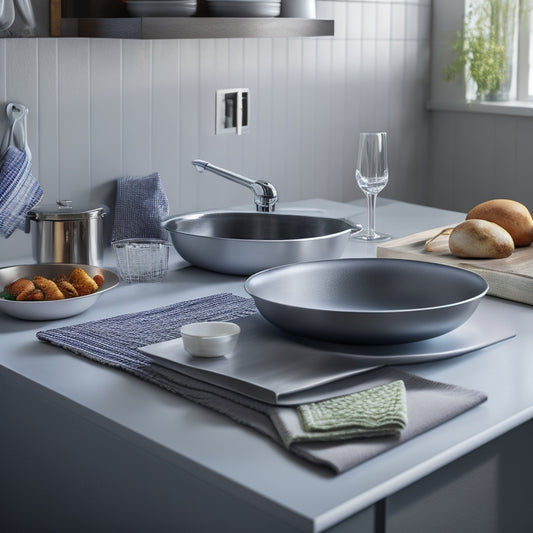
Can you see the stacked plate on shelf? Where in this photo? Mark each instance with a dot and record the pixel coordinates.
(244, 8)
(161, 8)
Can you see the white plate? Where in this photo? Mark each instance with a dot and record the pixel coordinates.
(53, 309)
(244, 8)
(161, 8)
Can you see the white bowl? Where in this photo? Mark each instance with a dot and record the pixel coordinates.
(244, 8)
(51, 309)
(161, 8)
(210, 339)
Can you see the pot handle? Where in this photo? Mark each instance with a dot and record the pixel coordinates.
(29, 217)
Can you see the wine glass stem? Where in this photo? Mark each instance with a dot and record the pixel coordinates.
(371, 199)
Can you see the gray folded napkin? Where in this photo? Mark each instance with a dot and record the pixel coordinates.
(115, 341)
(140, 207)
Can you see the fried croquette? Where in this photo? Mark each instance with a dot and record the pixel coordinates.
(82, 282)
(19, 286)
(50, 289)
(60, 277)
(32, 295)
(79, 283)
(68, 290)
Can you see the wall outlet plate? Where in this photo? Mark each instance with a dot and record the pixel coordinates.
(232, 111)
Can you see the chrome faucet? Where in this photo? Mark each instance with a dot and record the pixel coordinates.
(265, 194)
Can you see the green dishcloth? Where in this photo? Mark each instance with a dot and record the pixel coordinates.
(373, 412)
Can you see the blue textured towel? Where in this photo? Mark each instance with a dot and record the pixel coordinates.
(19, 190)
(114, 341)
(140, 207)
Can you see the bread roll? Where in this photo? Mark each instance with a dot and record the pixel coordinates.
(512, 216)
(480, 239)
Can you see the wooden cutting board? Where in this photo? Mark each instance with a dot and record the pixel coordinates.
(510, 278)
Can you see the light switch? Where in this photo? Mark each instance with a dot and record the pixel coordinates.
(232, 111)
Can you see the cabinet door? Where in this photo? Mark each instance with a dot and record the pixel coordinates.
(485, 491)
(362, 522)
(62, 470)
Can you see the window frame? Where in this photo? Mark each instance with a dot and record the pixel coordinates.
(524, 68)
(448, 19)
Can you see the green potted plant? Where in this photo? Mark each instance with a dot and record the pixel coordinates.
(484, 50)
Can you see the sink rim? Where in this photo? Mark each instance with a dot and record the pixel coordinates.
(339, 226)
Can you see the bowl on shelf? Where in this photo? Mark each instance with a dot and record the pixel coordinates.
(161, 8)
(244, 8)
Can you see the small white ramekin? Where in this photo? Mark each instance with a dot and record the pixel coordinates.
(210, 339)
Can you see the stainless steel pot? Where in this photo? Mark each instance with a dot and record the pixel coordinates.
(65, 232)
(237, 242)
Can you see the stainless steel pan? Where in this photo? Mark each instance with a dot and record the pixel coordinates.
(237, 242)
(367, 301)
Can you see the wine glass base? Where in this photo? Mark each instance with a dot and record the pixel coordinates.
(363, 236)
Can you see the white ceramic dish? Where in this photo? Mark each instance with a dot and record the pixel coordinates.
(54, 309)
(210, 339)
(244, 8)
(161, 8)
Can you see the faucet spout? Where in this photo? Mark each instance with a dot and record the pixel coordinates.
(265, 194)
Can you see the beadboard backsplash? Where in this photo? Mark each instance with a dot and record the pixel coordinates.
(103, 108)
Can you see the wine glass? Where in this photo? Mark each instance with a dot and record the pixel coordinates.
(372, 174)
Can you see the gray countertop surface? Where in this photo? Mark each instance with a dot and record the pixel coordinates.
(243, 462)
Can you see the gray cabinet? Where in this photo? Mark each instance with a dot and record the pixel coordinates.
(62, 471)
(488, 490)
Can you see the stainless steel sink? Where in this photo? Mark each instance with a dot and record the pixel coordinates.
(243, 242)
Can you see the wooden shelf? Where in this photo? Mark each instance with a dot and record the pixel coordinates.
(193, 27)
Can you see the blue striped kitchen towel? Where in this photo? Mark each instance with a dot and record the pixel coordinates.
(19, 190)
(140, 207)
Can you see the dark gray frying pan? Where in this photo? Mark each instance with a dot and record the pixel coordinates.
(367, 301)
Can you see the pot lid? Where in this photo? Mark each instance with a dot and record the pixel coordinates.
(67, 210)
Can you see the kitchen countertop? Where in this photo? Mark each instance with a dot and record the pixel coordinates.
(247, 465)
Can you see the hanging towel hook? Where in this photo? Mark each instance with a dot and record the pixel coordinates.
(17, 134)
(7, 14)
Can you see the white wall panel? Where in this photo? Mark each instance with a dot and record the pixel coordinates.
(280, 136)
(250, 77)
(295, 182)
(310, 126)
(105, 115)
(323, 119)
(104, 108)
(166, 115)
(45, 115)
(189, 133)
(137, 112)
(73, 119)
(337, 123)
